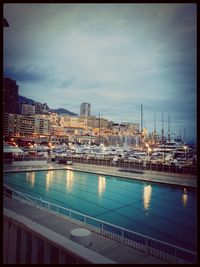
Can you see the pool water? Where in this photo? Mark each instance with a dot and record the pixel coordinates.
(163, 212)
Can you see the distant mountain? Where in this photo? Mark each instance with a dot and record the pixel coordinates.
(59, 111)
(23, 99)
(64, 111)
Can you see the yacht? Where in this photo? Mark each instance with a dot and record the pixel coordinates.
(169, 147)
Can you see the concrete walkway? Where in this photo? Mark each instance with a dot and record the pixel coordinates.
(109, 248)
(150, 176)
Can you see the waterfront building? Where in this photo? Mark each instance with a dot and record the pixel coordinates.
(27, 125)
(124, 128)
(72, 122)
(24, 125)
(57, 130)
(11, 124)
(10, 96)
(54, 118)
(27, 109)
(128, 126)
(42, 124)
(123, 140)
(85, 109)
(95, 122)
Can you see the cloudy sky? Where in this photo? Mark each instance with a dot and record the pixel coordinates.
(114, 56)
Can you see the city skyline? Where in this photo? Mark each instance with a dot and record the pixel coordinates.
(113, 56)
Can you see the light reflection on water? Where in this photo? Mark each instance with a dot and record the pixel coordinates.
(185, 199)
(30, 177)
(147, 196)
(101, 185)
(69, 180)
(49, 179)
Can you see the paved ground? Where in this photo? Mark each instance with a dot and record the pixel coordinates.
(175, 179)
(109, 248)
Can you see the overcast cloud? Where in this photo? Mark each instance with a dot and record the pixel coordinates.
(114, 56)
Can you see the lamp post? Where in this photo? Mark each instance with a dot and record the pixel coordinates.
(185, 147)
(148, 149)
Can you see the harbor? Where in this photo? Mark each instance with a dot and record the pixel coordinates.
(100, 134)
(172, 158)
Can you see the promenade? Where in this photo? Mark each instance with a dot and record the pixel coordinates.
(149, 176)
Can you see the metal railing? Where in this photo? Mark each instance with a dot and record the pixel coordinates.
(131, 165)
(151, 246)
(127, 164)
(27, 243)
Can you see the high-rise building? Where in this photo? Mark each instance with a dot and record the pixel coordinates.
(38, 107)
(10, 96)
(28, 109)
(85, 109)
(25, 125)
(42, 124)
(11, 124)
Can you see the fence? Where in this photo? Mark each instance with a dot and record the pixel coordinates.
(132, 165)
(126, 164)
(151, 246)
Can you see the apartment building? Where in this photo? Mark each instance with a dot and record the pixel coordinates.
(24, 125)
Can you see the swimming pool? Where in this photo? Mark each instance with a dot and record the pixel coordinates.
(163, 212)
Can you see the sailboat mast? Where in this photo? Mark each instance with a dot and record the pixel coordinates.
(169, 134)
(162, 130)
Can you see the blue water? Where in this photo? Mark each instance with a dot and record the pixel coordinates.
(159, 211)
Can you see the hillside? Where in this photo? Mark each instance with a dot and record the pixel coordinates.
(64, 111)
(59, 111)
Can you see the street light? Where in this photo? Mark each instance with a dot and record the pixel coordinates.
(148, 148)
(185, 147)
